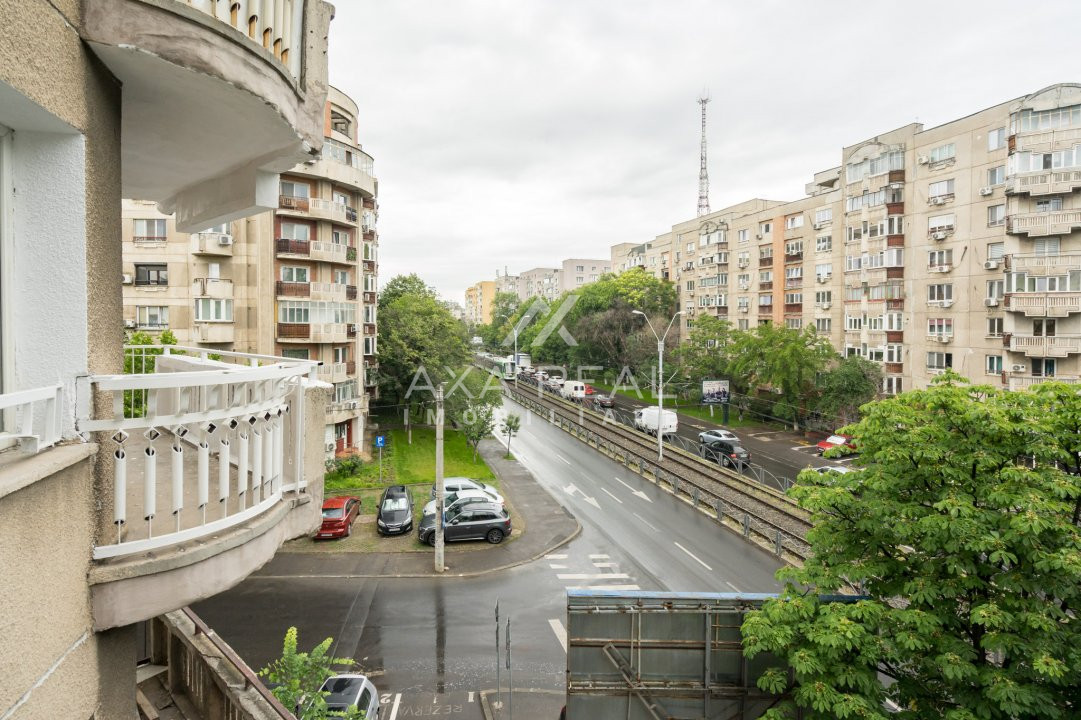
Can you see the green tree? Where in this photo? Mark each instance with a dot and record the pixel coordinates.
(470, 404)
(400, 285)
(706, 353)
(961, 534)
(851, 383)
(504, 307)
(510, 426)
(300, 675)
(784, 361)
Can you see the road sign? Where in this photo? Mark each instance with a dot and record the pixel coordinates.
(714, 391)
(380, 441)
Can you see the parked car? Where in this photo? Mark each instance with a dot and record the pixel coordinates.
(462, 498)
(717, 434)
(395, 511)
(827, 469)
(603, 400)
(836, 441)
(726, 453)
(590, 390)
(646, 420)
(339, 514)
(573, 390)
(351, 690)
(482, 521)
(457, 484)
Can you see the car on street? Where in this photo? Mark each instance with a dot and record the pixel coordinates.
(836, 441)
(351, 690)
(462, 498)
(603, 400)
(457, 484)
(827, 469)
(726, 453)
(717, 434)
(339, 514)
(395, 511)
(590, 390)
(482, 521)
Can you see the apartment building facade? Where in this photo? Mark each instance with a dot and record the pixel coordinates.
(77, 434)
(540, 282)
(478, 302)
(577, 272)
(299, 282)
(948, 247)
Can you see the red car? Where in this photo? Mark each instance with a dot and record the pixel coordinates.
(590, 389)
(836, 441)
(339, 514)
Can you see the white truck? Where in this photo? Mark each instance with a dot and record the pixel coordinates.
(573, 389)
(652, 420)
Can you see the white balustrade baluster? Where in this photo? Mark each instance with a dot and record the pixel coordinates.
(223, 475)
(120, 489)
(242, 468)
(268, 459)
(178, 481)
(150, 488)
(203, 478)
(278, 450)
(256, 465)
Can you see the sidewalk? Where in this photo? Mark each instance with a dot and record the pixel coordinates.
(547, 526)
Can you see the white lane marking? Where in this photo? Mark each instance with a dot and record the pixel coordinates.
(560, 631)
(637, 493)
(563, 458)
(394, 707)
(611, 496)
(598, 576)
(646, 522)
(596, 557)
(700, 427)
(707, 567)
(553, 556)
(606, 587)
(556, 566)
(603, 564)
(470, 697)
(736, 589)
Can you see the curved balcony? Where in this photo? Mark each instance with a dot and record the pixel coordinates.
(208, 474)
(317, 209)
(189, 65)
(332, 252)
(344, 165)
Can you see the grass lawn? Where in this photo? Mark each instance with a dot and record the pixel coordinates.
(694, 410)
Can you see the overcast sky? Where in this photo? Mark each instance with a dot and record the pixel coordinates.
(519, 133)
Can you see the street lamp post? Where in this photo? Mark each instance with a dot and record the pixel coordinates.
(660, 376)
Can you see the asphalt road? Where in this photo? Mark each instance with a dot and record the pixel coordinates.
(429, 644)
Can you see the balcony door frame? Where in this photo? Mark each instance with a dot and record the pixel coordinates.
(7, 240)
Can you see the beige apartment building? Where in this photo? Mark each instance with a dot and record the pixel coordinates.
(542, 282)
(957, 246)
(577, 272)
(173, 481)
(478, 302)
(299, 282)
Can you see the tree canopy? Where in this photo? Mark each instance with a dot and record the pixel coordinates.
(853, 382)
(961, 532)
(400, 285)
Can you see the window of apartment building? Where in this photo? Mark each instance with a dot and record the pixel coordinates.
(994, 327)
(340, 123)
(793, 323)
(295, 274)
(853, 322)
(152, 274)
(937, 223)
(1054, 283)
(689, 248)
(996, 139)
(891, 385)
(854, 233)
(792, 298)
(823, 324)
(823, 296)
(939, 360)
(341, 198)
(940, 292)
(940, 189)
(996, 215)
(995, 288)
(369, 313)
(793, 247)
(765, 300)
(145, 229)
(939, 326)
(793, 221)
(765, 228)
(290, 188)
(213, 310)
(873, 322)
(893, 257)
(996, 175)
(939, 258)
(291, 311)
(743, 302)
(854, 293)
(152, 316)
(895, 353)
(942, 152)
(341, 277)
(824, 243)
(341, 353)
(993, 363)
(765, 251)
(879, 165)
(996, 250)
(894, 321)
(653, 260)
(1043, 367)
(690, 284)
(369, 251)
(1043, 327)
(345, 391)
(744, 280)
(793, 273)
(294, 353)
(1046, 246)
(340, 237)
(741, 236)
(1045, 119)
(743, 324)
(876, 354)
(579, 279)
(744, 258)
(369, 345)
(824, 270)
(1049, 204)
(579, 268)
(295, 231)
(765, 276)
(823, 215)
(895, 224)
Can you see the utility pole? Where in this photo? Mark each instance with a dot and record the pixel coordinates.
(660, 376)
(439, 479)
(703, 174)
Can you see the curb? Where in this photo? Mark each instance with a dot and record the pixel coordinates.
(487, 709)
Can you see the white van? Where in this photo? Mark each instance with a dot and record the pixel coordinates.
(573, 389)
(646, 420)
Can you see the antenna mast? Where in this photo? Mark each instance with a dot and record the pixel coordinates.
(703, 174)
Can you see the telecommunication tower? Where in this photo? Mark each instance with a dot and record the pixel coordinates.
(703, 173)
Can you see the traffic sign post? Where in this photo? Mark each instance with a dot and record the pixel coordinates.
(380, 442)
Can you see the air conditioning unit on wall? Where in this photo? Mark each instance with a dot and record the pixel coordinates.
(126, 279)
(1018, 368)
(991, 265)
(985, 191)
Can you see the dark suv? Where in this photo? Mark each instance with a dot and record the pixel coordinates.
(726, 453)
(478, 521)
(395, 511)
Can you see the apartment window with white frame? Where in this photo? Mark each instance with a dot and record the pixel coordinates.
(765, 251)
(793, 298)
(940, 292)
(823, 324)
(213, 310)
(994, 364)
(793, 247)
(793, 273)
(151, 274)
(741, 236)
(940, 327)
(996, 139)
(295, 231)
(824, 270)
(1046, 246)
(823, 296)
(939, 258)
(891, 385)
(940, 223)
(765, 228)
(290, 188)
(824, 243)
(895, 353)
(152, 316)
(793, 323)
(690, 284)
(895, 224)
(295, 274)
(765, 276)
(793, 221)
(743, 324)
(148, 229)
(894, 321)
(996, 215)
(942, 152)
(291, 311)
(939, 360)
(940, 189)
(853, 322)
(1049, 204)
(994, 327)
(996, 250)
(995, 289)
(996, 175)
(765, 300)
(823, 215)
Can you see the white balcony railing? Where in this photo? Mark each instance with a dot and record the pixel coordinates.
(206, 440)
(1044, 264)
(1058, 346)
(276, 25)
(32, 418)
(1046, 141)
(1055, 222)
(1020, 382)
(1052, 304)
